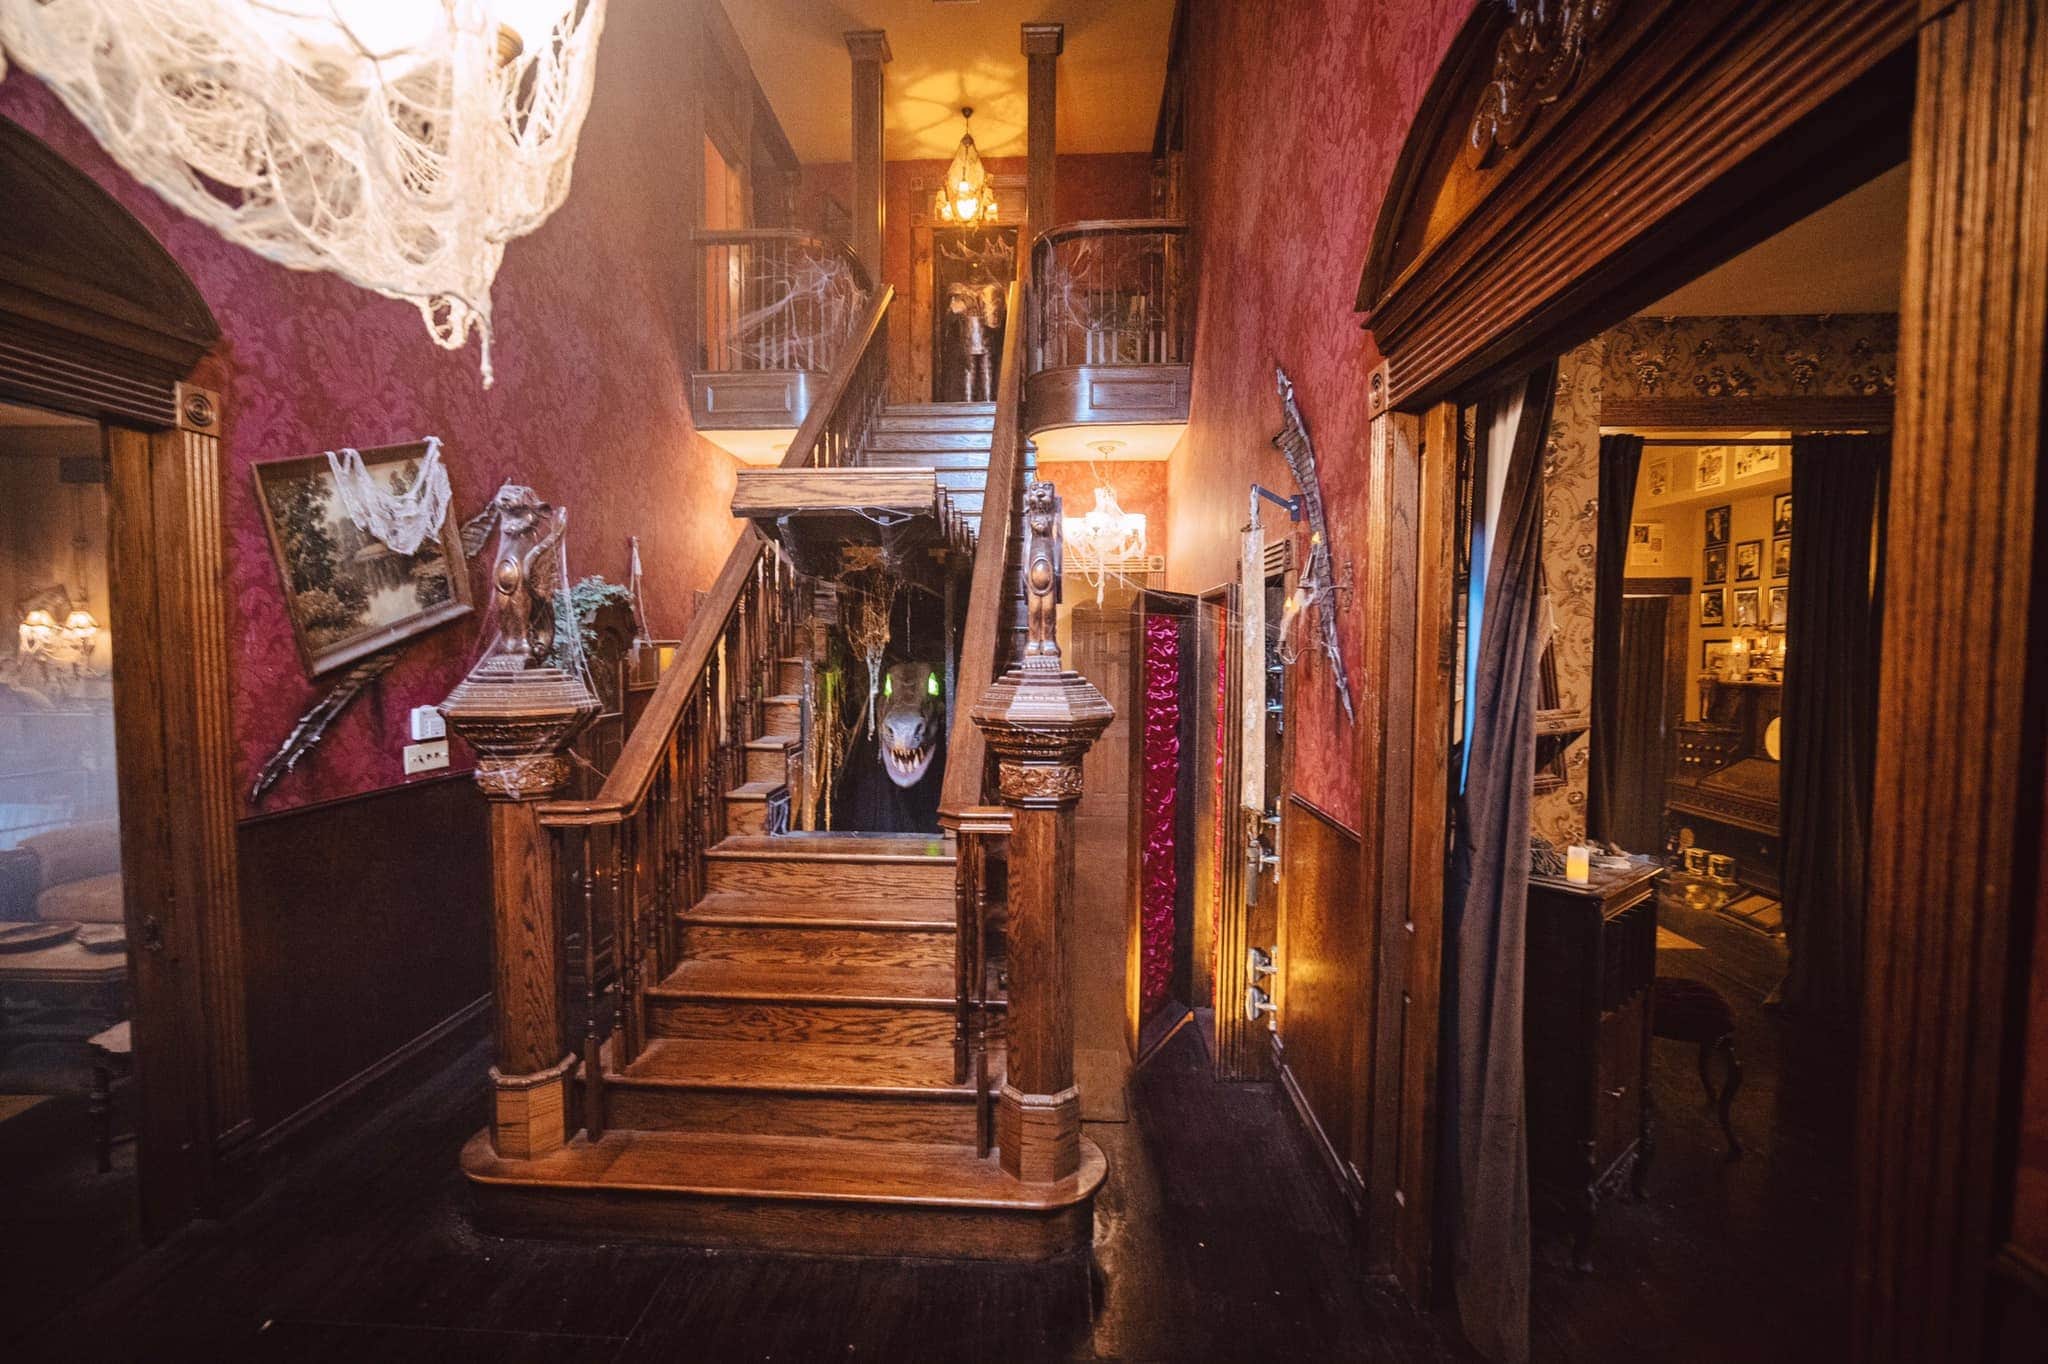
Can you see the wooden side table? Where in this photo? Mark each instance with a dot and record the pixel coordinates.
(113, 1055)
(1591, 956)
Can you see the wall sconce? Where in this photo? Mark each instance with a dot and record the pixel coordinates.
(38, 632)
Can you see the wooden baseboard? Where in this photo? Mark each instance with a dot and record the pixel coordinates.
(1347, 1181)
(423, 1053)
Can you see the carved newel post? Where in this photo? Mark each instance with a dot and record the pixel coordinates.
(1039, 721)
(520, 713)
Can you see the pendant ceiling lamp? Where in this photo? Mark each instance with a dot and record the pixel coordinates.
(396, 143)
(968, 196)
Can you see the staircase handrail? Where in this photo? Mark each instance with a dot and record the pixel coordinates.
(632, 776)
(988, 626)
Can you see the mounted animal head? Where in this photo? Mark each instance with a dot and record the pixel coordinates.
(909, 732)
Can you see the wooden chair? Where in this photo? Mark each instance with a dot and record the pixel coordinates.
(112, 1055)
(1693, 1011)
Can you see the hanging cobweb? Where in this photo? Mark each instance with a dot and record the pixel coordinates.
(398, 145)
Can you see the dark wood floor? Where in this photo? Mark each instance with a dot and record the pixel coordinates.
(1218, 1235)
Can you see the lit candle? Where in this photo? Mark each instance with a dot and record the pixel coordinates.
(1578, 864)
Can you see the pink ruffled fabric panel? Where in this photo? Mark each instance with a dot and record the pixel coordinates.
(1158, 876)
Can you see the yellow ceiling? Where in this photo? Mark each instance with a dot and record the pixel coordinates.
(947, 53)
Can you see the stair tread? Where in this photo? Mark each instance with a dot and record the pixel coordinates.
(977, 409)
(814, 1067)
(776, 743)
(755, 790)
(749, 907)
(791, 983)
(837, 847)
(825, 1169)
(783, 698)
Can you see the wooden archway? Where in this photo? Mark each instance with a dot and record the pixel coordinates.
(97, 320)
(1571, 163)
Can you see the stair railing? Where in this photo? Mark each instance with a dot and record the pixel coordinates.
(633, 855)
(1110, 293)
(776, 298)
(988, 642)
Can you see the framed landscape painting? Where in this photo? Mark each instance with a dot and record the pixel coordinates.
(350, 595)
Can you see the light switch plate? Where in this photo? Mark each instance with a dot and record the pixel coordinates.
(426, 757)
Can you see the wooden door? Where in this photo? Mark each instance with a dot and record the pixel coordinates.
(1218, 870)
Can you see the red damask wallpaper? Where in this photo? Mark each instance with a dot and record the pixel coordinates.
(590, 406)
(1296, 113)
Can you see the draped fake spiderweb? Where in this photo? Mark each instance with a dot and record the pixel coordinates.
(397, 143)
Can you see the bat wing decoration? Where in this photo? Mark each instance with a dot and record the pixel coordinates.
(1293, 443)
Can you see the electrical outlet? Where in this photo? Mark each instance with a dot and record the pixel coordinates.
(426, 757)
(427, 723)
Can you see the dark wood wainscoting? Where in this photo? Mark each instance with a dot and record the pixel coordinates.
(366, 928)
(1324, 998)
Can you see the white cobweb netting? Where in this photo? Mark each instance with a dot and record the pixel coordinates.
(390, 142)
(404, 516)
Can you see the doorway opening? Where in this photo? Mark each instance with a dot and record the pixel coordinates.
(1705, 760)
(67, 1101)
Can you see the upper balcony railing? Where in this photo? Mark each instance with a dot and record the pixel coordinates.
(1111, 324)
(777, 306)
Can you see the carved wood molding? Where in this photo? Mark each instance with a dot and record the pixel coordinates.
(1682, 136)
(1539, 57)
(1959, 758)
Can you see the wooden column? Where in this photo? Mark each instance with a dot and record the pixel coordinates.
(870, 49)
(1043, 44)
(1039, 722)
(521, 715)
(1952, 820)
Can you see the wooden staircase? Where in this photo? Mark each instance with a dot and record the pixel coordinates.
(796, 1087)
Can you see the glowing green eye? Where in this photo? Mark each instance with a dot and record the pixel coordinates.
(931, 684)
(888, 686)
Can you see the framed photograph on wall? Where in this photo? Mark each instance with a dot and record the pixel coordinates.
(1716, 568)
(1754, 461)
(1781, 557)
(1711, 471)
(1748, 607)
(1749, 561)
(1721, 658)
(1780, 606)
(1646, 544)
(1714, 607)
(348, 594)
(1781, 514)
(1717, 525)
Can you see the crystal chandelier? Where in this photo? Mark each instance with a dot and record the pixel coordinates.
(1105, 541)
(968, 196)
(396, 143)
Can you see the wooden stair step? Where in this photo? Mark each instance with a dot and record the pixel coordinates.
(787, 1193)
(871, 1092)
(782, 715)
(900, 441)
(942, 461)
(851, 866)
(813, 1002)
(747, 805)
(882, 916)
(768, 757)
(906, 933)
(896, 987)
(815, 1067)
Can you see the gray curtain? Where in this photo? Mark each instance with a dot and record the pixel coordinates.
(1610, 794)
(1830, 717)
(1485, 1161)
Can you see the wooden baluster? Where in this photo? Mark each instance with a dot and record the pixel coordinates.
(593, 994)
(1039, 721)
